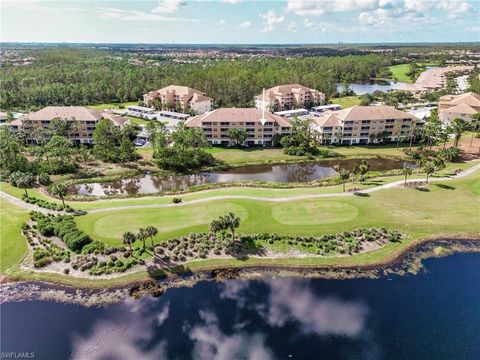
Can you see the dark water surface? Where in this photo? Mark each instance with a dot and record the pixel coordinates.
(301, 172)
(432, 315)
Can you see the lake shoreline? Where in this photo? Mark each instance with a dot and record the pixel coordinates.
(407, 260)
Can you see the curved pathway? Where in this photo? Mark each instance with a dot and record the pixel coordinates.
(467, 172)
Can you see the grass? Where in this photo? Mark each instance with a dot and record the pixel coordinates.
(112, 105)
(346, 101)
(450, 209)
(12, 244)
(399, 72)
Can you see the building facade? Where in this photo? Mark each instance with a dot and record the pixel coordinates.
(261, 128)
(85, 120)
(464, 106)
(287, 97)
(186, 98)
(363, 124)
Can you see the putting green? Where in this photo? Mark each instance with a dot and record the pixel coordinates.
(312, 213)
(112, 227)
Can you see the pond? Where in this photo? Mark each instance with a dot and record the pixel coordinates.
(301, 172)
(371, 86)
(432, 315)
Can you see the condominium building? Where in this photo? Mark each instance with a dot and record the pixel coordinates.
(286, 97)
(85, 120)
(186, 97)
(464, 106)
(358, 124)
(260, 126)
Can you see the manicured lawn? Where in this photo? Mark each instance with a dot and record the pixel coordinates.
(399, 72)
(112, 105)
(346, 101)
(235, 156)
(444, 209)
(12, 244)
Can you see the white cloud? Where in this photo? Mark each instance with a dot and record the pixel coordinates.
(455, 8)
(292, 26)
(366, 19)
(163, 314)
(246, 24)
(318, 8)
(222, 22)
(475, 28)
(271, 20)
(231, 1)
(168, 6)
(107, 13)
(308, 24)
(212, 343)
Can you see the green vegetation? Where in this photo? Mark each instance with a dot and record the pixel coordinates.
(68, 76)
(346, 101)
(399, 210)
(13, 244)
(400, 72)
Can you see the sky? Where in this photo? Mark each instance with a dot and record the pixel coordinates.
(240, 21)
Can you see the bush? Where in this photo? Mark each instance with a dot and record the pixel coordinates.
(176, 200)
(44, 179)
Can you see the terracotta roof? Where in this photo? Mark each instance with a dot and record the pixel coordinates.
(284, 89)
(235, 115)
(117, 120)
(379, 112)
(182, 91)
(64, 112)
(329, 118)
(461, 109)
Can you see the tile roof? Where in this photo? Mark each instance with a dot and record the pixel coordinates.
(236, 115)
(64, 112)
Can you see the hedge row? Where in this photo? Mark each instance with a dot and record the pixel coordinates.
(46, 204)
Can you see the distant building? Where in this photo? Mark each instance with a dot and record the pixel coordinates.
(287, 97)
(323, 108)
(215, 125)
(86, 120)
(357, 124)
(186, 98)
(464, 106)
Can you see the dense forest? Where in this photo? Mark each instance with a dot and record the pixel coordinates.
(82, 77)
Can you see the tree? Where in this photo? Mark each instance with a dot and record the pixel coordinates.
(364, 167)
(231, 221)
(152, 231)
(407, 172)
(106, 140)
(216, 225)
(128, 239)
(344, 176)
(126, 151)
(302, 140)
(355, 172)
(59, 190)
(238, 136)
(429, 169)
(475, 122)
(142, 235)
(62, 127)
(23, 180)
(458, 128)
(60, 149)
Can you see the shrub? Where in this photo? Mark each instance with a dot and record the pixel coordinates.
(44, 179)
(176, 200)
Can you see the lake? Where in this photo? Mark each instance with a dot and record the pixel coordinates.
(301, 172)
(372, 86)
(432, 315)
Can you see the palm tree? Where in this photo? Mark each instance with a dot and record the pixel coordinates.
(152, 231)
(476, 120)
(407, 172)
(231, 221)
(216, 225)
(142, 235)
(458, 128)
(429, 169)
(364, 167)
(59, 190)
(128, 239)
(355, 172)
(344, 175)
(22, 180)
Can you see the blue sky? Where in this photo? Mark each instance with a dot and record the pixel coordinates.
(240, 21)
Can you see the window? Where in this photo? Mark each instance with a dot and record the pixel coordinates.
(348, 122)
(388, 121)
(365, 128)
(206, 123)
(365, 121)
(224, 123)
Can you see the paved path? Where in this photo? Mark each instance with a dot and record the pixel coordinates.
(467, 172)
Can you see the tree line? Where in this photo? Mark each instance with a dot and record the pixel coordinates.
(76, 77)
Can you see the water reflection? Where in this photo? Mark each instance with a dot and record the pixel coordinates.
(302, 172)
(372, 86)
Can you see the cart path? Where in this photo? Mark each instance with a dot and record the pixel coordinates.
(393, 184)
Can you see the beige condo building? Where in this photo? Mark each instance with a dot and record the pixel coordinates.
(463, 106)
(355, 125)
(286, 97)
(85, 120)
(188, 98)
(261, 128)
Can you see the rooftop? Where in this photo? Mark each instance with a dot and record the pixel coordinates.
(236, 115)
